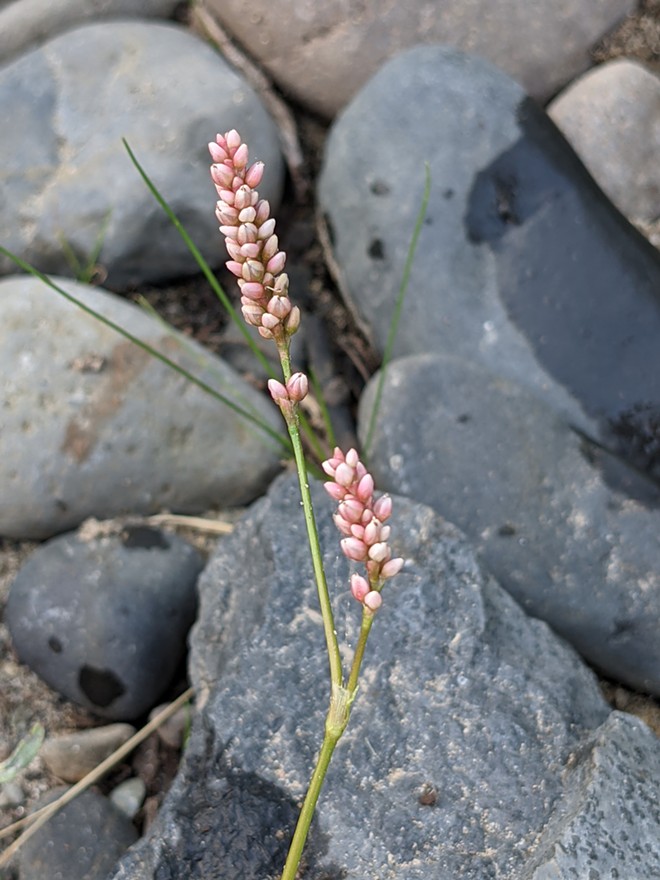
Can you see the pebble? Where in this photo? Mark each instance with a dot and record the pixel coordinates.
(94, 426)
(70, 756)
(104, 620)
(83, 841)
(476, 730)
(611, 117)
(173, 731)
(30, 22)
(67, 176)
(570, 531)
(522, 264)
(129, 796)
(321, 54)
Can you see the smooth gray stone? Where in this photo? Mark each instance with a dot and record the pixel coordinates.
(522, 263)
(456, 758)
(104, 620)
(94, 426)
(66, 175)
(570, 531)
(24, 23)
(82, 841)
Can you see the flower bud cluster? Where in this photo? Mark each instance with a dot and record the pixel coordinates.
(360, 518)
(294, 391)
(250, 239)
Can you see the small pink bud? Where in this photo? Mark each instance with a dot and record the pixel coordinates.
(379, 552)
(217, 153)
(371, 532)
(266, 228)
(245, 233)
(235, 268)
(233, 139)
(359, 587)
(265, 332)
(240, 157)
(253, 270)
(222, 175)
(227, 231)
(373, 600)
(250, 250)
(391, 567)
(344, 475)
(343, 526)
(298, 386)
(253, 290)
(292, 321)
(329, 466)
(247, 215)
(263, 213)
(365, 488)
(227, 215)
(351, 509)
(269, 321)
(357, 531)
(354, 549)
(277, 391)
(254, 174)
(270, 247)
(252, 314)
(352, 458)
(334, 491)
(276, 264)
(242, 200)
(280, 306)
(383, 507)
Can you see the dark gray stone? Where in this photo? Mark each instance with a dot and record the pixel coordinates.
(570, 531)
(104, 621)
(522, 263)
(83, 841)
(65, 174)
(456, 760)
(94, 426)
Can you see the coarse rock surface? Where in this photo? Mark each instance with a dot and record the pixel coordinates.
(611, 117)
(66, 176)
(477, 735)
(94, 426)
(25, 23)
(83, 840)
(322, 51)
(570, 531)
(522, 263)
(104, 620)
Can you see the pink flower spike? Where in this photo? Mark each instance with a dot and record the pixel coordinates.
(359, 587)
(373, 600)
(392, 567)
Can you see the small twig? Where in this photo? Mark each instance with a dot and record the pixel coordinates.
(205, 24)
(199, 523)
(38, 819)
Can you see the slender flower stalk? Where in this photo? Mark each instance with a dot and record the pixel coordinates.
(258, 264)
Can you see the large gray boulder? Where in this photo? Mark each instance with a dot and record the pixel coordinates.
(478, 747)
(94, 426)
(66, 179)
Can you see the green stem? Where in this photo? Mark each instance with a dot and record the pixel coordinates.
(365, 628)
(309, 805)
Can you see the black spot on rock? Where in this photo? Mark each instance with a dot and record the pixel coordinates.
(101, 686)
(144, 538)
(55, 645)
(376, 249)
(380, 188)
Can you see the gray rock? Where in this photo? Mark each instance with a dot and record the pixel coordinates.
(611, 117)
(66, 176)
(94, 426)
(322, 53)
(129, 796)
(104, 620)
(455, 763)
(70, 756)
(522, 263)
(83, 841)
(568, 530)
(24, 23)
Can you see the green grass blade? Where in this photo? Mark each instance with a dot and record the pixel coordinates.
(396, 315)
(195, 380)
(201, 262)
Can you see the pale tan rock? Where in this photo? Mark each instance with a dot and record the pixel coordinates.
(71, 756)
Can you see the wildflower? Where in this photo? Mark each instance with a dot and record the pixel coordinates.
(361, 520)
(253, 248)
